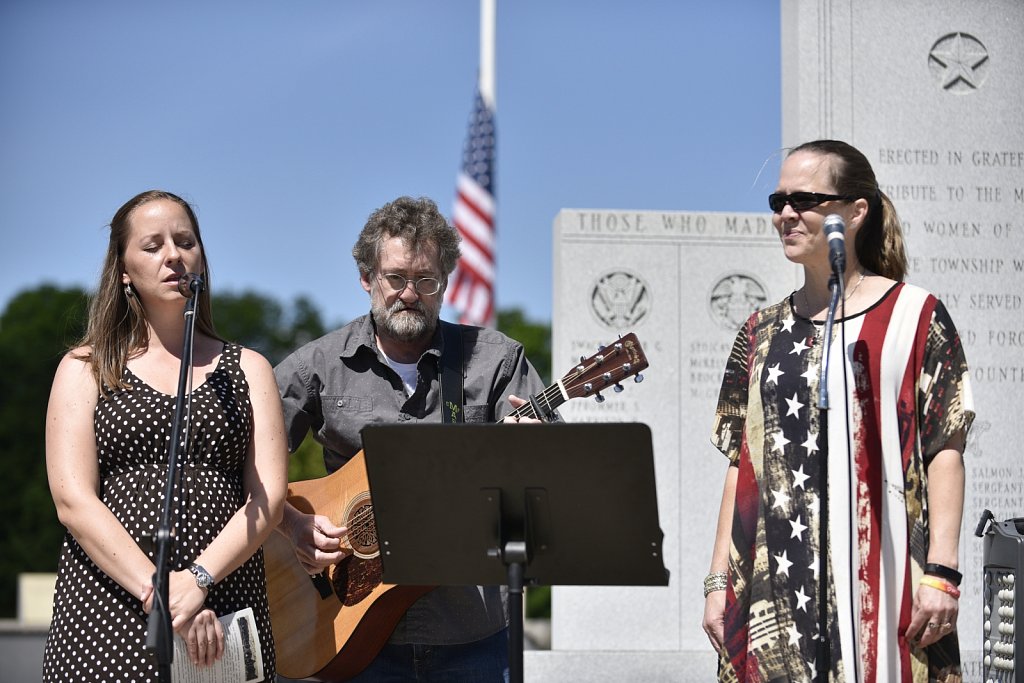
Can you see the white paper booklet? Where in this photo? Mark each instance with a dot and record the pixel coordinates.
(242, 661)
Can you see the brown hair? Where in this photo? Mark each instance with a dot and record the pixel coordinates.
(418, 222)
(879, 243)
(116, 329)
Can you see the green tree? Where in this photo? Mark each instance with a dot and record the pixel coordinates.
(35, 329)
(261, 323)
(40, 324)
(534, 336)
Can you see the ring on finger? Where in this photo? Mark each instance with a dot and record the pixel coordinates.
(932, 625)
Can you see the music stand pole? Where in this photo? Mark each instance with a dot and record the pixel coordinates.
(515, 558)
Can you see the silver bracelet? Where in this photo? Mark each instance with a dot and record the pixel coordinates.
(715, 581)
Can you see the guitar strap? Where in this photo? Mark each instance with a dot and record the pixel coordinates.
(451, 374)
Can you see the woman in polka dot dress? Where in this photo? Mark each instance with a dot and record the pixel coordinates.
(107, 431)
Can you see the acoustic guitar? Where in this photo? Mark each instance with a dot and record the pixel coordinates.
(329, 627)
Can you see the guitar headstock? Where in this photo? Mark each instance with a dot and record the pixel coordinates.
(607, 368)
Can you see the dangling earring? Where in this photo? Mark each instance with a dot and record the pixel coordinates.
(128, 291)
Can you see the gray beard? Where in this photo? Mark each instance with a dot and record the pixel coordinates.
(403, 323)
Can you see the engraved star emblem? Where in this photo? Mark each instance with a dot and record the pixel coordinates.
(783, 562)
(959, 55)
(794, 406)
(799, 347)
(801, 599)
(773, 374)
(798, 528)
(787, 324)
(799, 477)
(811, 444)
(780, 440)
(781, 499)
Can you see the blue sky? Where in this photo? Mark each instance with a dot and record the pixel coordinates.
(287, 123)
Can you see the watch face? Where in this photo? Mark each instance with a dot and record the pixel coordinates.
(203, 577)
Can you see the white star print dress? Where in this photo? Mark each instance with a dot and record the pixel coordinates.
(98, 630)
(905, 386)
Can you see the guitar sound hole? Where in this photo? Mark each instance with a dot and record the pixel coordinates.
(362, 531)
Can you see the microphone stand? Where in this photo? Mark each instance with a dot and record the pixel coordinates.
(159, 635)
(824, 655)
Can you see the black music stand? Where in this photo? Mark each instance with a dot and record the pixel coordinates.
(538, 504)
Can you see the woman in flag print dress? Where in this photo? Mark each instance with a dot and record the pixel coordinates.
(900, 408)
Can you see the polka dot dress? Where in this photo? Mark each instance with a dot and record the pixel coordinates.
(98, 631)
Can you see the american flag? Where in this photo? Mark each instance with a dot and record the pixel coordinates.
(471, 288)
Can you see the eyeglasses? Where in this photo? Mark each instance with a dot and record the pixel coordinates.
(802, 201)
(425, 286)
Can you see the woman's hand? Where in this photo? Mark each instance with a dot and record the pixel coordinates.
(185, 597)
(204, 637)
(714, 619)
(933, 616)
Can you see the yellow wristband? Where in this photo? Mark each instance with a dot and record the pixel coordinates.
(940, 584)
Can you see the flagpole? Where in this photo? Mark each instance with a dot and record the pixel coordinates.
(470, 290)
(488, 15)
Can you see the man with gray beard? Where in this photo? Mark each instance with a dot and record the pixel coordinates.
(386, 367)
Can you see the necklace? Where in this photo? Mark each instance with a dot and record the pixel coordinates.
(846, 296)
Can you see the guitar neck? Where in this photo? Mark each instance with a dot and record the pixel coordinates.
(624, 358)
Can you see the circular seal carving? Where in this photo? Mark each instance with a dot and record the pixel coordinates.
(959, 63)
(734, 297)
(620, 299)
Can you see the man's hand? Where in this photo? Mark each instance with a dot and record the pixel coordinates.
(317, 541)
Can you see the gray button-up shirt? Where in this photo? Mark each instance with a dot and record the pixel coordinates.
(339, 383)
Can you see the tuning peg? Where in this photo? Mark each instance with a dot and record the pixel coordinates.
(598, 397)
(583, 359)
(618, 388)
(639, 378)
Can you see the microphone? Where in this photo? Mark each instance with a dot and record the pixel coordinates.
(835, 231)
(190, 284)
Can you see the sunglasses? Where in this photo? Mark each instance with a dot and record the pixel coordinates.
(802, 201)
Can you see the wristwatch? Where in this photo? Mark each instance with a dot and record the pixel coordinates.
(203, 578)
